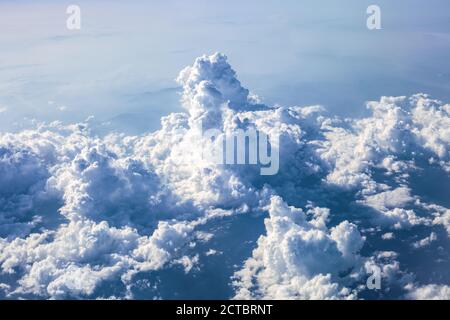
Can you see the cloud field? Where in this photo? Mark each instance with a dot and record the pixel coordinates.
(121, 217)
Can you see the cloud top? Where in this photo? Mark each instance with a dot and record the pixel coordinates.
(80, 213)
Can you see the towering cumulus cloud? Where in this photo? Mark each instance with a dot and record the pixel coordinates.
(117, 216)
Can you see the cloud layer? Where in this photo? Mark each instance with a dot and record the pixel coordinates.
(81, 213)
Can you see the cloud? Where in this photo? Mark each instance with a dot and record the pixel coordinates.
(425, 241)
(430, 292)
(388, 236)
(391, 199)
(79, 212)
(444, 219)
(398, 128)
(299, 259)
(22, 188)
(72, 261)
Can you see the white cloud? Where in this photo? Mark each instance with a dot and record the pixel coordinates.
(397, 127)
(425, 241)
(391, 199)
(402, 218)
(432, 128)
(297, 259)
(429, 292)
(78, 210)
(443, 219)
(388, 236)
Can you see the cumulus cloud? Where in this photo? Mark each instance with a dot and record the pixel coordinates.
(425, 241)
(398, 129)
(299, 259)
(79, 210)
(391, 199)
(388, 236)
(429, 292)
(22, 188)
(443, 219)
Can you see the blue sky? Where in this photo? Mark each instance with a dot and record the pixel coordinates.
(119, 206)
(123, 61)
